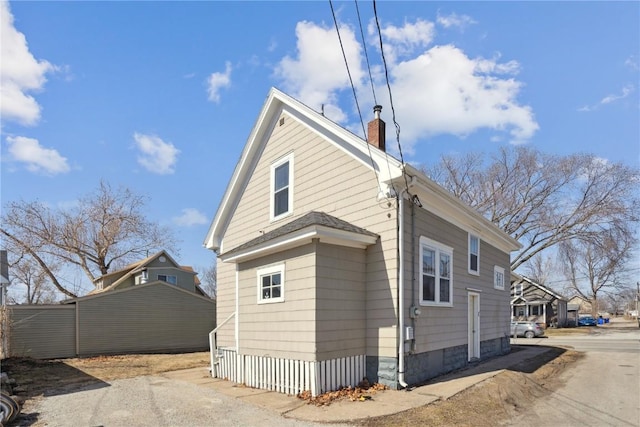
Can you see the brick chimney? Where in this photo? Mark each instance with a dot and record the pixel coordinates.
(376, 129)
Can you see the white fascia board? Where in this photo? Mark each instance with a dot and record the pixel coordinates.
(387, 168)
(302, 237)
(439, 201)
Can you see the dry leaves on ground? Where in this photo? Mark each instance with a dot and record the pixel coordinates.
(363, 392)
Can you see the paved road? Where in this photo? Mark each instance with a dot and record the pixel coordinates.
(602, 390)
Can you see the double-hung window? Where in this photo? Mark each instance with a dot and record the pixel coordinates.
(474, 254)
(436, 278)
(282, 187)
(271, 284)
(498, 277)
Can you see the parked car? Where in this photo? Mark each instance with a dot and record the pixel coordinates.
(587, 321)
(526, 329)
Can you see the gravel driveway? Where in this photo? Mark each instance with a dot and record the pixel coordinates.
(154, 401)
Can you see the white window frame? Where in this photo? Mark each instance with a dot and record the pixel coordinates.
(471, 271)
(167, 278)
(518, 289)
(439, 249)
(498, 278)
(272, 193)
(270, 271)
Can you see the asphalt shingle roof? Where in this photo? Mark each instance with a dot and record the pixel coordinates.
(312, 218)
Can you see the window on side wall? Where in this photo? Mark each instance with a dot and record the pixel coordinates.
(498, 277)
(436, 278)
(282, 187)
(271, 284)
(168, 278)
(474, 254)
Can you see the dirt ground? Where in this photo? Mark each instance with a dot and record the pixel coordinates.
(489, 404)
(35, 378)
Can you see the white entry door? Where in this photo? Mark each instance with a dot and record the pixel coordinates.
(473, 316)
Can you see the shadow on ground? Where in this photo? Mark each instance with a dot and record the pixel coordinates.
(35, 377)
(525, 365)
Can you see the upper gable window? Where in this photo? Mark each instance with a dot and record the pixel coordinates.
(474, 254)
(436, 281)
(282, 187)
(498, 277)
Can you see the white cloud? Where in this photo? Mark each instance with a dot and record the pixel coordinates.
(455, 20)
(457, 97)
(632, 63)
(190, 217)
(318, 72)
(403, 41)
(625, 92)
(437, 90)
(156, 156)
(21, 73)
(36, 158)
(218, 81)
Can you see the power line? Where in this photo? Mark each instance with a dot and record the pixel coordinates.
(355, 97)
(393, 110)
(366, 55)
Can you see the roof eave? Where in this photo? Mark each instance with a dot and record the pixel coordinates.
(301, 237)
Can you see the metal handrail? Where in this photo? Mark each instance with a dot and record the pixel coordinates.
(213, 345)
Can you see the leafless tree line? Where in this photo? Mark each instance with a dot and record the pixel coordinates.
(580, 208)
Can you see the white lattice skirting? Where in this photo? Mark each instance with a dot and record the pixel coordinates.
(287, 375)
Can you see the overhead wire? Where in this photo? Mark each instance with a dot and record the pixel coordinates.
(393, 110)
(366, 55)
(355, 96)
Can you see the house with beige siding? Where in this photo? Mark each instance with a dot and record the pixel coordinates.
(338, 262)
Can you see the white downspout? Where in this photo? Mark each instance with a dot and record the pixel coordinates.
(401, 290)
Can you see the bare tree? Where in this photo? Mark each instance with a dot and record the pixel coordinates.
(105, 228)
(209, 281)
(540, 268)
(543, 200)
(26, 272)
(595, 266)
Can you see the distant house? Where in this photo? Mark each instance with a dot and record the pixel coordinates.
(151, 306)
(584, 306)
(532, 301)
(336, 262)
(158, 267)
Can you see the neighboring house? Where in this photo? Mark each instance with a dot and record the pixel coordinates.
(160, 266)
(338, 262)
(532, 301)
(584, 306)
(151, 306)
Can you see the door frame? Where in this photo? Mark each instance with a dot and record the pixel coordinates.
(473, 326)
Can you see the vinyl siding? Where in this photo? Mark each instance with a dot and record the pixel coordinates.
(443, 327)
(42, 332)
(280, 329)
(341, 302)
(329, 180)
(145, 318)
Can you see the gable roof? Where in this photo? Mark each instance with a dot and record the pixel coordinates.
(313, 225)
(523, 279)
(134, 268)
(389, 170)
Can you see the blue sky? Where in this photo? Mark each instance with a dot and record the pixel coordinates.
(161, 96)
